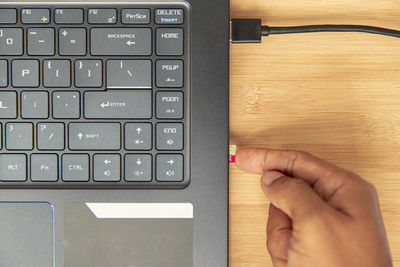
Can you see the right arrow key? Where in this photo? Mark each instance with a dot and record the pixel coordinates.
(169, 168)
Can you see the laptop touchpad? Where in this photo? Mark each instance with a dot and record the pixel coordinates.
(26, 234)
(128, 234)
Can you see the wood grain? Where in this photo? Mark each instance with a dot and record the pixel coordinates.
(336, 95)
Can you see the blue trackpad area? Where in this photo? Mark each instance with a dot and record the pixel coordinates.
(26, 234)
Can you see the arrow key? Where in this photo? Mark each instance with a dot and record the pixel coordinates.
(138, 136)
(106, 167)
(169, 167)
(138, 167)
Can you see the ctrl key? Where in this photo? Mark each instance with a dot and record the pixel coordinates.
(75, 167)
(12, 167)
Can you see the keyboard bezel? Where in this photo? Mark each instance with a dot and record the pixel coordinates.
(186, 89)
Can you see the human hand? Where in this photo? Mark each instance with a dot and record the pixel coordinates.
(320, 215)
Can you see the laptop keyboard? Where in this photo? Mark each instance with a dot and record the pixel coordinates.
(94, 96)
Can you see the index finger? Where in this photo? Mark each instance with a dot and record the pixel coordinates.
(293, 163)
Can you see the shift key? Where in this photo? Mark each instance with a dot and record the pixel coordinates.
(94, 136)
(134, 104)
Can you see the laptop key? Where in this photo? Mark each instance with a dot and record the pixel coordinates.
(56, 73)
(34, 105)
(88, 73)
(169, 41)
(50, 136)
(121, 41)
(72, 41)
(102, 16)
(138, 167)
(8, 105)
(8, 16)
(169, 105)
(44, 167)
(169, 73)
(11, 41)
(12, 167)
(138, 136)
(118, 104)
(135, 16)
(3, 73)
(106, 167)
(35, 16)
(75, 167)
(40, 41)
(94, 136)
(66, 105)
(169, 136)
(169, 167)
(25, 73)
(169, 16)
(19, 136)
(68, 16)
(128, 74)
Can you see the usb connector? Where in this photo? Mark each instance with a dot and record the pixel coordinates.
(251, 30)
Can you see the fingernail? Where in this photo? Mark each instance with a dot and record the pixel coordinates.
(268, 177)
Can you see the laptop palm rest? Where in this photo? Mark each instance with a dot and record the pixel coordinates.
(26, 234)
(128, 234)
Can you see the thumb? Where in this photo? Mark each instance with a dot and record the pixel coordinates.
(293, 196)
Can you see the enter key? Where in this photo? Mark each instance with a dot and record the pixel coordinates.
(118, 104)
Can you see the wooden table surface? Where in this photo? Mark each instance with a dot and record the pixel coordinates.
(336, 95)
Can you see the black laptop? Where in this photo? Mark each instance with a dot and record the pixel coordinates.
(114, 133)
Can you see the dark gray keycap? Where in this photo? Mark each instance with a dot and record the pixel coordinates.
(88, 73)
(169, 167)
(44, 167)
(169, 73)
(121, 41)
(75, 167)
(94, 136)
(129, 74)
(138, 167)
(50, 136)
(40, 41)
(169, 41)
(11, 41)
(68, 16)
(169, 16)
(135, 16)
(169, 105)
(8, 16)
(19, 136)
(138, 136)
(106, 167)
(8, 105)
(25, 73)
(35, 16)
(169, 136)
(34, 105)
(57, 73)
(12, 167)
(72, 41)
(3, 73)
(66, 105)
(118, 104)
(102, 16)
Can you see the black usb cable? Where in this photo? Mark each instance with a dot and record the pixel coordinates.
(251, 30)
